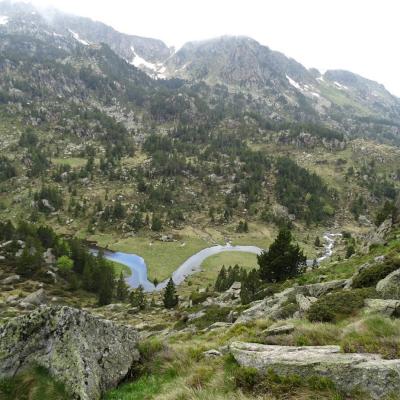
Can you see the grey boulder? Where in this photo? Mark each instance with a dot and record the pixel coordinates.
(88, 354)
(389, 287)
(390, 308)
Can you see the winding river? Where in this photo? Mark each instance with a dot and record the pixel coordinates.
(192, 265)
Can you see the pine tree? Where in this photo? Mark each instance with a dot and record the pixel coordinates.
(220, 282)
(137, 297)
(156, 224)
(317, 242)
(283, 260)
(122, 289)
(106, 282)
(250, 286)
(170, 298)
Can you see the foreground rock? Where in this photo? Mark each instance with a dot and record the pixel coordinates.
(88, 354)
(375, 377)
(389, 287)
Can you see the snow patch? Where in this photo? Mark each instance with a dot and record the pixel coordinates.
(76, 37)
(321, 79)
(157, 69)
(138, 61)
(4, 20)
(340, 86)
(293, 82)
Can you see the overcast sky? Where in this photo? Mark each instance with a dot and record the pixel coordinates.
(358, 35)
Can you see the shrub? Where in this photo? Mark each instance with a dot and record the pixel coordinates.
(247, 378)
(287, 310)
(288, 386)
(149, 348)
(198, 298)
(338, 305)
(200, 377)
(371, 276)
(213, 314)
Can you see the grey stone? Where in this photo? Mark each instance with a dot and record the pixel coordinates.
(36, 298)
(304, 302)
(219, 325)
(390, 308)
(10, 279)
(369, 373)
(279, 330)
(389, 287)
(88, 354)
(197, 315)
(212, 353)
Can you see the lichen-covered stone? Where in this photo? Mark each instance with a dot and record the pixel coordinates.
(376, 377)
(88, 354)
(389, 287)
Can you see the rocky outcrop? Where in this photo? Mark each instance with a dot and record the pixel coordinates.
(378, 236)
(389, 287)
(273, 307)
(304, 302)
(88, 354)
(369, 373)
(390, 308)
(34, 299)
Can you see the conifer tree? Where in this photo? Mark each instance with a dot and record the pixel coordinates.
(106, 282)
(122, 288)
(170, 298)
(220, 282)
(283, 260)
(137, 297)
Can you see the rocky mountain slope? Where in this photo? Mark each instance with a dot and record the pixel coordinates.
(269, 83)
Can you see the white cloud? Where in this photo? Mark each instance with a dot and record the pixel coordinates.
(358, 35)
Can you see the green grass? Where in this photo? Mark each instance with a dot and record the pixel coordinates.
(118, 268)
(162, 258)
(33, 384)
(145, 387)
(214, 263)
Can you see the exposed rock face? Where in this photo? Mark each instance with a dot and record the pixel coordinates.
(378, 236)
(271, 307)
(376, 377)
(390, 308)
(304, 302)
(88, 354)
(389, 287)
(35, 299)
(10, 279)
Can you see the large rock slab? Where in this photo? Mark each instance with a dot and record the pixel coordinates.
(88, 354)
(389, 287)
(376, 377)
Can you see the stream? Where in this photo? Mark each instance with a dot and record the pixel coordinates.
(193, 264)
